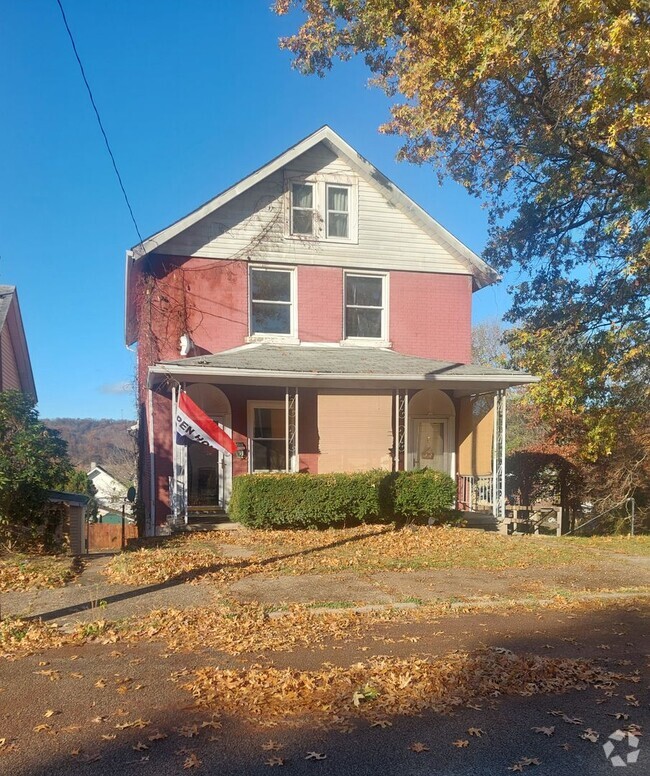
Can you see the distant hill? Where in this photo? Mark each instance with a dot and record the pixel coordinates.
(105, 442)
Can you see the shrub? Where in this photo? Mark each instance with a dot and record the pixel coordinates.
(321, 500)
(424, 493)
(309, 500)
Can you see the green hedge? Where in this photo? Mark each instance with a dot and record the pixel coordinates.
(424, 493)
(321, 500)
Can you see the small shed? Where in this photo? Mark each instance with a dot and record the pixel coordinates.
(74, 522)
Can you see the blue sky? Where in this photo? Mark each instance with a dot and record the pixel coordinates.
(194, 95)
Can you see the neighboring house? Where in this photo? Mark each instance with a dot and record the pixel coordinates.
(324, 319)
(111, 493)
(15, 366)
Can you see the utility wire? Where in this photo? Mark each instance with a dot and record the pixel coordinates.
(99, 120)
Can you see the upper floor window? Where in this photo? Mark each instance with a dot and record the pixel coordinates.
(365, 306)
(338, 211)
(302, 208)
(322, 207)
(271, 301)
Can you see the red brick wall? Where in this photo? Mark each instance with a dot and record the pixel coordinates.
(320, 304)
(430, 315)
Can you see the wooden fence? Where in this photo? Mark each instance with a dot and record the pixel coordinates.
(108, 536)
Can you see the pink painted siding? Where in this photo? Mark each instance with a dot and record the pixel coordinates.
(320, 304)
(430, 315)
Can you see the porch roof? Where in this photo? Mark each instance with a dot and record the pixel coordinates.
(271, 364)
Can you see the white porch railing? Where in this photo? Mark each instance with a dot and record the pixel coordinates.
(475, 493)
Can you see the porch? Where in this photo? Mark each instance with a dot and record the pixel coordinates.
(323, 409)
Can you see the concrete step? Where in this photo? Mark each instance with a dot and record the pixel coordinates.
(482, 520)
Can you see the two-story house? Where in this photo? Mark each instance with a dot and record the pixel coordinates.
(324, 320)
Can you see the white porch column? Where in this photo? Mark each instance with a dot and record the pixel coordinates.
(291, 420)
(400, 444)
(499, 456)
(151, 517)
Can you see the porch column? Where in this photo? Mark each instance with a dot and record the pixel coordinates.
(177, 489)
(291, 419)
(151, 517)
(400, 453)
(499, 456)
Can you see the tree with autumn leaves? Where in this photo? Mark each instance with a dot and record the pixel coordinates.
(542, 110)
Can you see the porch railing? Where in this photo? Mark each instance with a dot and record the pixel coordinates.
(475, 493)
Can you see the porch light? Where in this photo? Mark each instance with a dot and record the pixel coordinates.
(241, 450)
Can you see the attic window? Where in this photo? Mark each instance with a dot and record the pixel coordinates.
(338, 211)
(302, 208)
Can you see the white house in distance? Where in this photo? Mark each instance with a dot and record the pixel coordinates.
(111, 493)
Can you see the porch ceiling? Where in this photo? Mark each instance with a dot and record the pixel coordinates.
(335, 366)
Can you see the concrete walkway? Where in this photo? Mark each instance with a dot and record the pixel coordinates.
(91, 596)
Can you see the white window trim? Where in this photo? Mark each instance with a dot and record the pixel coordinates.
(320, 182)
(379, 342)
(327, 211)
(251, 406)
(286, 339)
(314, 210)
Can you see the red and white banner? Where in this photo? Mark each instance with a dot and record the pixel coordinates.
(193, 423)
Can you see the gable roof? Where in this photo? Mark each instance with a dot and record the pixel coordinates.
(482, 273)
(11, 318)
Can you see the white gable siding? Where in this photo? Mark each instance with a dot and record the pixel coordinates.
(252, 226)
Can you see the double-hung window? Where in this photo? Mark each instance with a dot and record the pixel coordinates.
(322, 208)
(338, 211)
(365, 306)
(271, 301)
(267, 430)
(302, 208)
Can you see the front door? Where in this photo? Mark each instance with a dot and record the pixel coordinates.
(430, 444)
(203, 469)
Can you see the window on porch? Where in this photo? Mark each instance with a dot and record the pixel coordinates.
(267, 431)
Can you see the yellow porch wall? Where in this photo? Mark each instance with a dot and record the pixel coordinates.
(355, 431)
(475, 428)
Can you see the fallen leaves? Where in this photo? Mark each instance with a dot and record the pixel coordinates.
(315, 756)
(524, 762)
(274, 761)
(590, 735)
(192, 762)
(266, 696)
(546, 731)
(418, 746)
(36, 572)
(461, 743)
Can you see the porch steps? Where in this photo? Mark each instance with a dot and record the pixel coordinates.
(485, 521)
(213, 519)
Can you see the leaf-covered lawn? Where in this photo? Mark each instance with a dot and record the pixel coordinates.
(30, 572)
(363, 549)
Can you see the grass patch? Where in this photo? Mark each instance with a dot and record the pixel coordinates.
(31, 572)
(360, 550)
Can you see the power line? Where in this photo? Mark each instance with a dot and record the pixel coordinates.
(99, 120)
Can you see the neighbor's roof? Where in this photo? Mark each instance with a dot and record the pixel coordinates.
(266, 364)
(10, 315)
(483, 274)
(6, 295)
